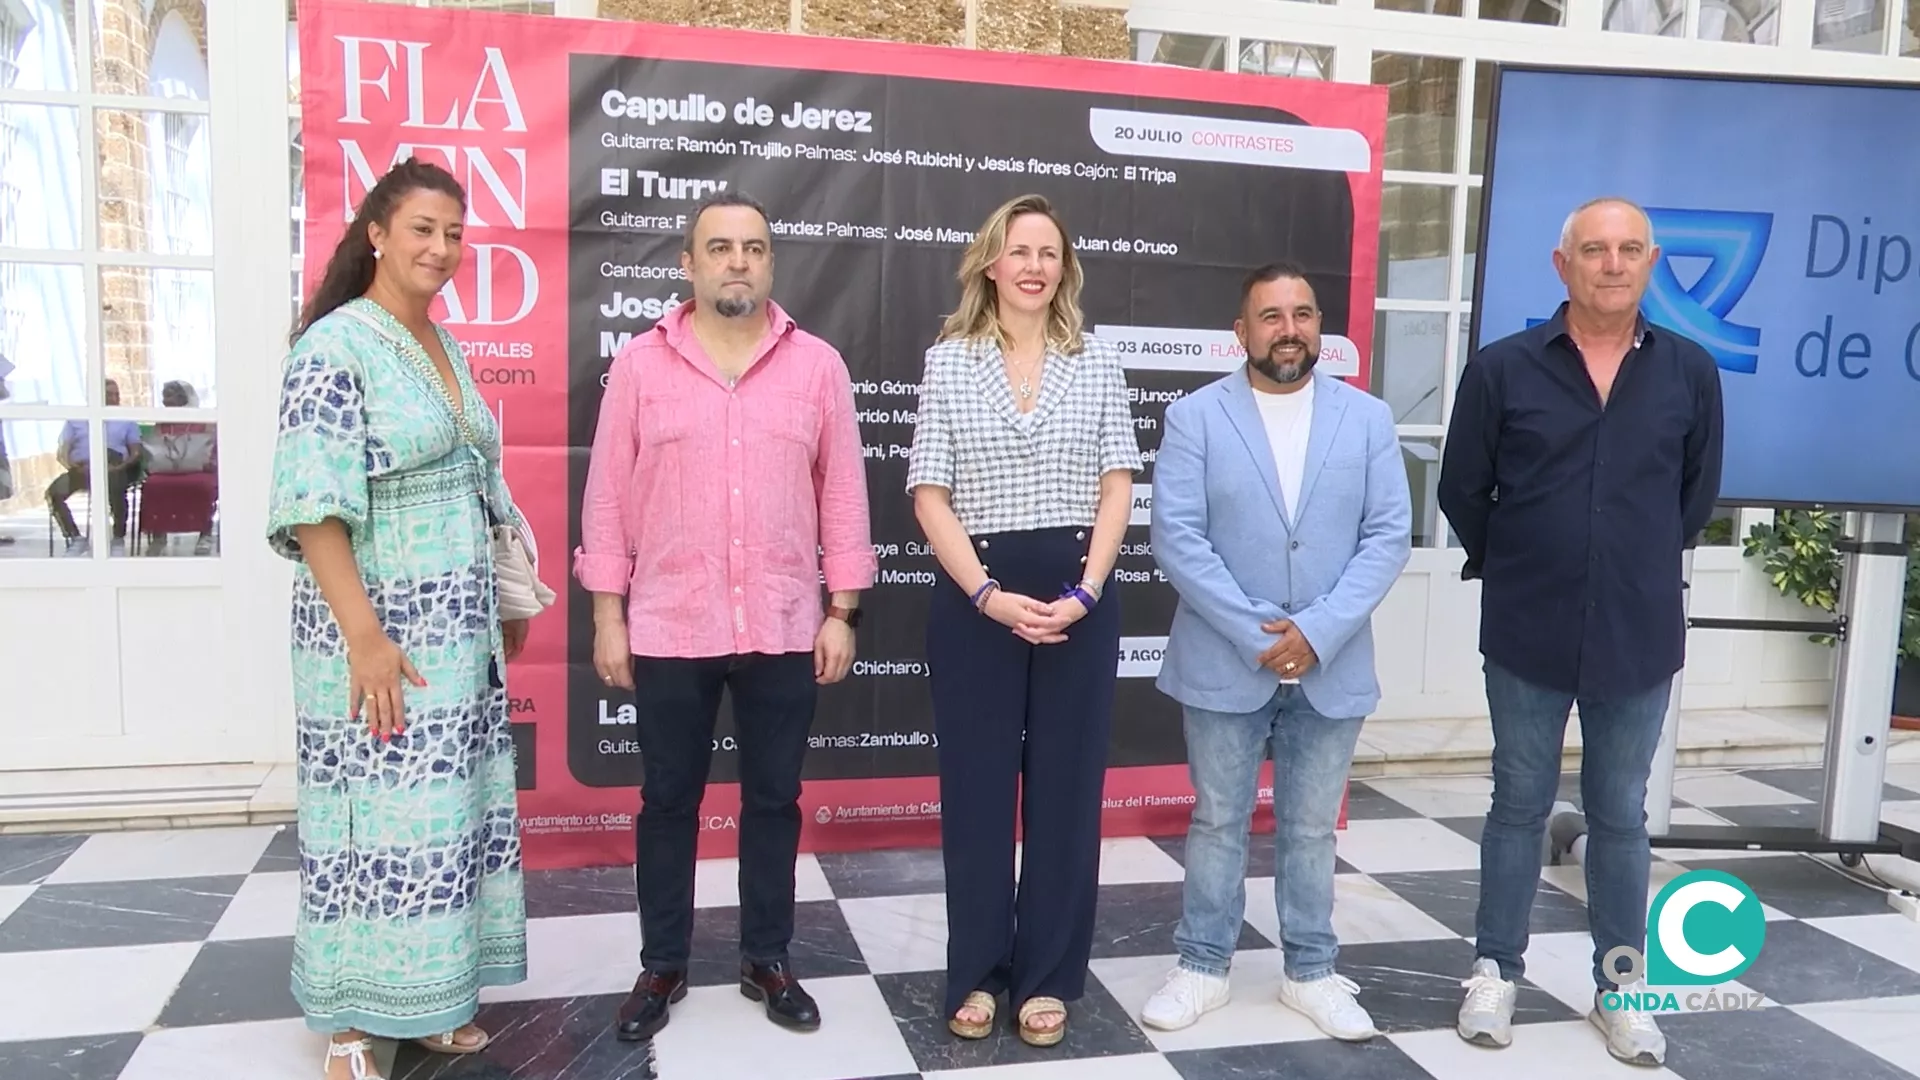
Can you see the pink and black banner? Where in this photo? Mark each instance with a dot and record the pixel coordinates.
(584, 144)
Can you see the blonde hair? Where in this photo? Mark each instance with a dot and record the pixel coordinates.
(978, 315)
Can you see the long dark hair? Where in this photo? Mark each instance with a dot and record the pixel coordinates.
(350, 271)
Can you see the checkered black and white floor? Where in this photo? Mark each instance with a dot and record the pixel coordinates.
(163, 956)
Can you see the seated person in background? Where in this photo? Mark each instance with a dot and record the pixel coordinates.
(125, 456)
(182, 487)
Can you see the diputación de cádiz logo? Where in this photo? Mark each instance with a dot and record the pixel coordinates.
(1704, 929)
(1733, 243)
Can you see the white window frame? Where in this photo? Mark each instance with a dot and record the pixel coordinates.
(103, 567)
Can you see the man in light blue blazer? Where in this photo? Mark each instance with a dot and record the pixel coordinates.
(1281, 515)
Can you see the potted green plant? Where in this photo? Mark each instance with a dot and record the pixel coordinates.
(1797, 551)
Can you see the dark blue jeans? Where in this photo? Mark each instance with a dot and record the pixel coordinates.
(1618, 738)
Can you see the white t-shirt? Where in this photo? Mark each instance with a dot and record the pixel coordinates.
(1288, 419)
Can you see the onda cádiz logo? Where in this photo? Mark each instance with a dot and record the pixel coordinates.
(1732, 244)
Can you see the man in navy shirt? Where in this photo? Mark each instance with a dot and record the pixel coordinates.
(1582, 459)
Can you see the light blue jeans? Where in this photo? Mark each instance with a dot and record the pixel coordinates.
(1312, 755)
(1618, 739)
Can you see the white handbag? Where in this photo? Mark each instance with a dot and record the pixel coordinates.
(521, 593)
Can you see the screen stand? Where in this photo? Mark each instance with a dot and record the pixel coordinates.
(1872, 601)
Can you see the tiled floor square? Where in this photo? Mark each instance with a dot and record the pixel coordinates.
(1367, 803)
(716, 1032)
(145, 855)
(1714, 790)
(822, 945)
(1321, 1059)
(106, 913)
(1139, 920)
(1452, 897)
(1364, 911)
(235, 982)
(1766, 1044)
(1097, 1027)
(266, 1050)
(31, 858)
(86, 992)
(1405, 845)
(898, 872)
(899, 933)
(1415, 985)
(1566, 1050)
(267, 905)
(1800, 964)
(1439, 796)
(563, 1039)
(595, 890)
(1800, 886)
(100, 1057)
(282, 854)
(576, 956)
(1884, 1027)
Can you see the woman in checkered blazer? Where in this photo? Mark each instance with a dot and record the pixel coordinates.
(1022, 478)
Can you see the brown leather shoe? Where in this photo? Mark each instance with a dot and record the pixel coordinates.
(787, 1004)
(644, 1012)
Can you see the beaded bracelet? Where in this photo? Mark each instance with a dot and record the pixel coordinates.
(980, 595)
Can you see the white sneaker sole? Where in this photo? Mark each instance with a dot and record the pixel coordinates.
(1485, 1038)
(1645, 1058)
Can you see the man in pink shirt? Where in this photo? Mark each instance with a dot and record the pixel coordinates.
(726, 481)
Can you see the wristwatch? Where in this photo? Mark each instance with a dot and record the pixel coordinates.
(850, 616)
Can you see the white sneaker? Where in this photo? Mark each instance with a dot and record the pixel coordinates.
(1486, 1017)
(1632, 1036)
(1329, 1004)
(1183, 999)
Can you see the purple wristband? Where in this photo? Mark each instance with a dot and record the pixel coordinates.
(985, 590)
(1078, 593)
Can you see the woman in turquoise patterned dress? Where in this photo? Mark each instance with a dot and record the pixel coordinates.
(386, 477)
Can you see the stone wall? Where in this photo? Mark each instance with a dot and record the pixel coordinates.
(1032, 26)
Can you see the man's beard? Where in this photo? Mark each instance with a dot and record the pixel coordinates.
(1287, 374)
(733, 307)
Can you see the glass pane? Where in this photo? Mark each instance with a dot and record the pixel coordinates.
(297, 187)
(1180, 50)
(1408, 362)
(45, 481)
(40, 205)
(1471, 255)
(1286, 59)
(1720, 527)
(1750, 22)
(1423, 109)
(1910, 30)
(136, 54)
(43, 358)
(1662, 18)
(1423, 481)
(1482, 109)
(1420, 7)
(156, 327)
(1850, 25)
(36, 45)
(156, 183)
(1538, 12)
(1415, 222)
(173, 507)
